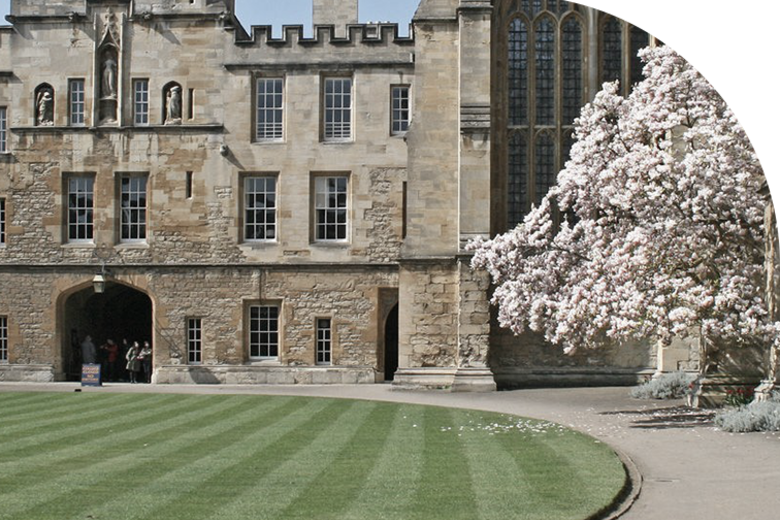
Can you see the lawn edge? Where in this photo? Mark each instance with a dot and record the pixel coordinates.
(628, 495)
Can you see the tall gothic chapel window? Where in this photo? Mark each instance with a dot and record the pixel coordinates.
(551, 67)
(546, 91)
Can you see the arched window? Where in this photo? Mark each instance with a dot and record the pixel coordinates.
(551, 67)
(545, 93)
(611, 49)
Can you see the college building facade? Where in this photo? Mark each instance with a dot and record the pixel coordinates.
(290, 209)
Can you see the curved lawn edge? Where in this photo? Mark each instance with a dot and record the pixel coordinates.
(627, 496)
(621, 502)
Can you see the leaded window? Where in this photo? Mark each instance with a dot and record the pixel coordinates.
(330, 208)
(270, 109)
(545, 94)
(133, 208)
(2, 221)
(639, 40)
(3, 130)
(81, 208)
(400, 110)
(324, 341)
(194, 341)
(338, 109)
(545, 71)
(141, 102)
(260, 209)
(263, 332)
(3, 339)
(77, 106)
(612, 49)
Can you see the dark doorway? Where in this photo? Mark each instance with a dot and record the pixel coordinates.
(121, 312)
(391, 344)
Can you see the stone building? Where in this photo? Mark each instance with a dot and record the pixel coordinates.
(293, 209)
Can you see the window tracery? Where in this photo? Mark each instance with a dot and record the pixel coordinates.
(551, 66)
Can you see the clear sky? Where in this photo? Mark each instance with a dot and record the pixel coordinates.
(297, 12)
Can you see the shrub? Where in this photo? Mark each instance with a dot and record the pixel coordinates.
(667, 386)
(755, 417)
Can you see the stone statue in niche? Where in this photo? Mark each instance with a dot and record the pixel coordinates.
(45, 108)
(109, 78)
(173, 106)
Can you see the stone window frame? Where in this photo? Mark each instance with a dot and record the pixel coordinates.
(321, 202)
(194, 338)
(278, 128)
(3, 129)
(135, 218)
(2, 222)
(254, 332)
(324, 339)
(77, 104)
(400, 117)
(3, 339)
(631, 39)
(331, 132)
(141, 107)
(85, 184)
(244, 209)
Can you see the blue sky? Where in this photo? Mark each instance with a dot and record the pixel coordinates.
(296, 12)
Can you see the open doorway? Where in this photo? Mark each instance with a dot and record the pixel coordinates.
(121, 312)
(391, 344)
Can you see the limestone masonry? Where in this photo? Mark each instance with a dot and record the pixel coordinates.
(291, 209)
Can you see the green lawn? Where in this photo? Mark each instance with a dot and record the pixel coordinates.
(167, 457)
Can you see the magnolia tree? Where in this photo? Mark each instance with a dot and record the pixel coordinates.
(654, 230)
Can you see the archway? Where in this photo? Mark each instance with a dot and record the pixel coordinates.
(391, 344)
(121, 312)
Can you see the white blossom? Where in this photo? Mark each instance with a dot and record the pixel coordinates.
(654, 230)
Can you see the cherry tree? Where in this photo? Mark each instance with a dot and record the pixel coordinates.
(654, 230)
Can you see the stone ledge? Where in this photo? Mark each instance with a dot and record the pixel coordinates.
(10, 373)
(543, 377)
(259, 375)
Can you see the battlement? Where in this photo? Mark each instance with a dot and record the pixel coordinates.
(292, 35)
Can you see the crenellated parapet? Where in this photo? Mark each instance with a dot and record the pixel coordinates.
(367, 44)
(370, 33)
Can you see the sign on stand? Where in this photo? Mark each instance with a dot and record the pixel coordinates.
(90, 375)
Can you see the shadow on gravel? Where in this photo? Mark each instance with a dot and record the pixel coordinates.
(666, 418)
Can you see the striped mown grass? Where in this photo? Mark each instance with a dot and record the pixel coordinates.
(169, 457)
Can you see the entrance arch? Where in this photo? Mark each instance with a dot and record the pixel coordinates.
(121, 312)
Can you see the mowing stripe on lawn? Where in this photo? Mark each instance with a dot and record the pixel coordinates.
(500, 489)
(56, 439)
(230, 472)
(80, 468)
(445, 489)
(583, 454)
(139, 471)
(296, 464)
(56, 403)
(188, 467)
(72, 415)
(390, 486)
(340, 482)
(12, 402)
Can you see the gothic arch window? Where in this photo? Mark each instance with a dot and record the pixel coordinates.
(552, 56)
(545, 93)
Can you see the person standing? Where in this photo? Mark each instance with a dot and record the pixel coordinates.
(146, 361)
(111, 352)
(133, 363)
(88, 352)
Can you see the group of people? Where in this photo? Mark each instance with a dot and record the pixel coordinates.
(125, 362)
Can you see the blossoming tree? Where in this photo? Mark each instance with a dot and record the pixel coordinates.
(654, 230)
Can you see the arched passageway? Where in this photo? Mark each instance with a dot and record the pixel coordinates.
(121, 312)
